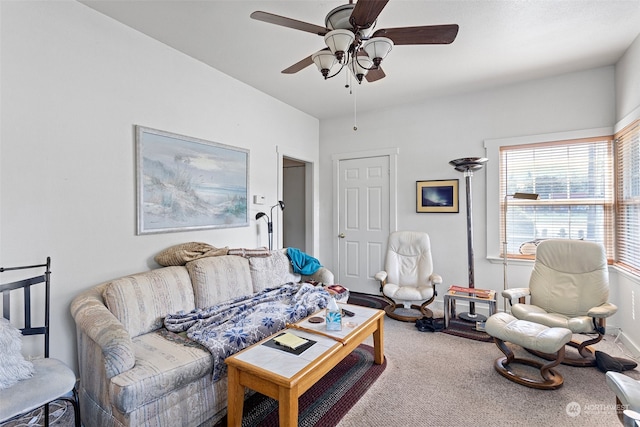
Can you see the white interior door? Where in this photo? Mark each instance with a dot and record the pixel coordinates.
(364, 212)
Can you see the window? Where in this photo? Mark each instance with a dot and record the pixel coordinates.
(627, 168)
(574, 181)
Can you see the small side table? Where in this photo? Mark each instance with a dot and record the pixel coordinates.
(450, 303)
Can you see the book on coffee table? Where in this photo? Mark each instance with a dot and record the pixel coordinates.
(290, 340)
(285, 342)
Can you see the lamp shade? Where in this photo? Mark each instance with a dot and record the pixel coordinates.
(378, 48)
(360, 66)
(339, 42)
(324, 60)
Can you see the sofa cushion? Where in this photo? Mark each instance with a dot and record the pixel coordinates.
(141, 301)
(219, 279)
(272, 271)
(164, 362)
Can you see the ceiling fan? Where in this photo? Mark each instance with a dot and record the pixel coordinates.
(352, 42)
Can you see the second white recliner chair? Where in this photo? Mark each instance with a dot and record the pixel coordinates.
(408, 281)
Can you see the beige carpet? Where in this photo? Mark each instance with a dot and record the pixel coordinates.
(434, 379)
(439, 380)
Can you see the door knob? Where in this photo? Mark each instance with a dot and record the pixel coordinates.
(341, 235)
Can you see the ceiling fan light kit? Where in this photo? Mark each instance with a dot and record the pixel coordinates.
(349, 35)
(339, 42)
(378, 48)
(360, 66)
(324, 60)
(340, 17)
(351, 41)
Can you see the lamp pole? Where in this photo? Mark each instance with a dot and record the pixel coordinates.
(468, 165)
(269, 219)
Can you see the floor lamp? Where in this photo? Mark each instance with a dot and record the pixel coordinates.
(468, 165)
(522, 196)
(270, 221)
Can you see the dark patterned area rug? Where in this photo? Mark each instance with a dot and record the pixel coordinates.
(464, 329)
(367, 300)
(325, 403)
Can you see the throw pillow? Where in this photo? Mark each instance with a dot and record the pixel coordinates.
(271, 272)
(13, 366)
(183, 253)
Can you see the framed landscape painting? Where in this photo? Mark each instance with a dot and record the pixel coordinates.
(437, 196)
(186, 183)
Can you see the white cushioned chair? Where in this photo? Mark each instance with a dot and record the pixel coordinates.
(568, 288)
(408, 281)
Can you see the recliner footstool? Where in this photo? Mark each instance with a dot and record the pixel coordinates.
(503, 327)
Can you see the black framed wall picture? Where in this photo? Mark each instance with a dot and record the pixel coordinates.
(437, 196)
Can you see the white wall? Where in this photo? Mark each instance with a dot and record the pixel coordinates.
(628, 81)
(431, 134)
(628, 110)
(74, 83)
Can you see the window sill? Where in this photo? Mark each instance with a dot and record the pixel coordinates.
(510, 261)
(624, 272)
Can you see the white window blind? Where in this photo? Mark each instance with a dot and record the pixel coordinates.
(574, 181)
(628, 197)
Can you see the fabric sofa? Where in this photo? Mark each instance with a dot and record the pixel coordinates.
(133, 372)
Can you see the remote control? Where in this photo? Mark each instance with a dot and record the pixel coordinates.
(348, 313)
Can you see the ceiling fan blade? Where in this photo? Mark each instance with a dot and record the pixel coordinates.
(428, 34)
(289, 23)
(374, 75)
(366, 12)
(298, 66)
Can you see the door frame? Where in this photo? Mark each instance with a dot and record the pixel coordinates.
(392, 153)
(312, 216)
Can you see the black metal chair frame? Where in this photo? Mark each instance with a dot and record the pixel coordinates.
(29, 329)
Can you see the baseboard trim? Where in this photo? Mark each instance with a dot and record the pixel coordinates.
(619, 335)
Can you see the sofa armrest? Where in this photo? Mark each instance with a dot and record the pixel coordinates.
(323, 275)
(602, 311)
(94, 320)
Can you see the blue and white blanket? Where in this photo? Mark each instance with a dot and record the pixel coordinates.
(226, 328)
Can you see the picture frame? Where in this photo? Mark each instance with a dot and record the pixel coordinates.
(186, 183)
(437, 196)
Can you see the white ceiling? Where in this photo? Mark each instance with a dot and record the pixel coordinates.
(499, 42)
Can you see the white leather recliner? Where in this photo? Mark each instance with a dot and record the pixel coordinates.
(627, 392)
(568, 288)
(408, 281)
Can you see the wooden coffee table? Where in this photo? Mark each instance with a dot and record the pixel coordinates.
(285, 376)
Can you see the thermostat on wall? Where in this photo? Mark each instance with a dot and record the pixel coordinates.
(258, 200)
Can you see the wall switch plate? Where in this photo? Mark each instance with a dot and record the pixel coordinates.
(258, 200)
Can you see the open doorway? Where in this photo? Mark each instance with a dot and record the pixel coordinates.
(294, 194)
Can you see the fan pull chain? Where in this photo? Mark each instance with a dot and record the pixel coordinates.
(347, 81)
(355, 110)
